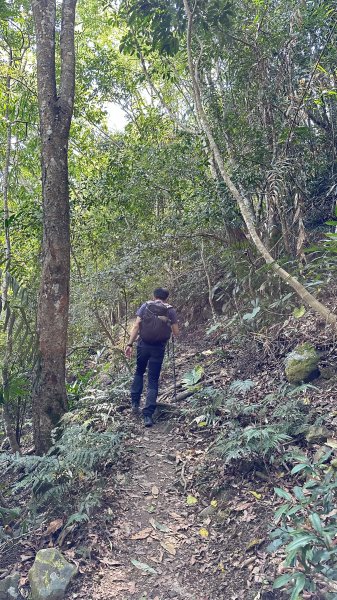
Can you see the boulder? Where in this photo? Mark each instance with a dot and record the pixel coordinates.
(302, 364)
(9, 587)
(50, 575)
(317, 435)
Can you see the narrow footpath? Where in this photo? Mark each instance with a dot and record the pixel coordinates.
(152, 551)
(157, 546)
(173, 525)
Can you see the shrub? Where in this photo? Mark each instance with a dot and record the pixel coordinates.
(256, 443)
(307, 528)
(59, 479)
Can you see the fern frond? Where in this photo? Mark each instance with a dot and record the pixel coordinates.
(240, 386)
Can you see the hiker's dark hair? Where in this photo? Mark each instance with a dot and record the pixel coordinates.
(161, 293)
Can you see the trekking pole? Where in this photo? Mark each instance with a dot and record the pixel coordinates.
(174, 372)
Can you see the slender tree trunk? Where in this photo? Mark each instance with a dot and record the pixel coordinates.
(240, 198)
(208, 278)
(7, 414)
(55, 108)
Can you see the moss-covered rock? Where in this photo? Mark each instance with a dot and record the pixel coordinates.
(50, 575)
(9, 587)
(302, 364)
(317, 435)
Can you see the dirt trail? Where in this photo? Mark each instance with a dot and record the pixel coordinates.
(150, 543)
(153, 527)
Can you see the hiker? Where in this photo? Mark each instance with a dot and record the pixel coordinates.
(155, 321)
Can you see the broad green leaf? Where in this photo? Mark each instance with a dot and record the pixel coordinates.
(282, 494)
(294, 510)
(193, 377)
(282, 580)
(300, 542)
(252, 315)
(299, 585)
(298, 468)
(274, 545)
(281, 511)
(298, 493)
(316, 522)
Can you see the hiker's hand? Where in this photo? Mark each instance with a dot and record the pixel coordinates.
(128, 351)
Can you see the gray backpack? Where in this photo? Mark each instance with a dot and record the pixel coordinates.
(155, 326)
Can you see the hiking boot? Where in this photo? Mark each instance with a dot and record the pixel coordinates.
(135, 408)
(148, 422)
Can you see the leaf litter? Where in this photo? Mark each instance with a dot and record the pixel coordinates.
(231, 557)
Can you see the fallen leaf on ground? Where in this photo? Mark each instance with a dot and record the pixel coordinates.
(155, 491)
(25, 557)
(160, 526)
(54, 526)
(191, 500)
(204, 532)
(108, 562)
(255, 542)
(143, 567)
(241, 506)
(142, 535)
(169, 548)
(214, 503)
(255, 494)
(175, 516)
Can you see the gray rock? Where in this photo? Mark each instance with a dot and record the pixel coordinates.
(9, 587)
(317, 435)
(50, 575)
(302, 364)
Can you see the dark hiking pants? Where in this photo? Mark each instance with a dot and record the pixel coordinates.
(151, 356)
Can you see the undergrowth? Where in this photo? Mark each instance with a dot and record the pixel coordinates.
(62, 481)
(254, 433)
(307, 528)
(69, 480)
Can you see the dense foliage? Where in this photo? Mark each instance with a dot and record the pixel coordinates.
(149, 206)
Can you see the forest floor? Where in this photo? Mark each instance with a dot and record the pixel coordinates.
(174, 522)
(163, 541)
(183, 527)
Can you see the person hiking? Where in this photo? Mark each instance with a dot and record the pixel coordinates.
(155, 322)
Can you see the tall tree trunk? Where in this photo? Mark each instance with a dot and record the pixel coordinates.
(7, 415)
(241, 200)
(55, 108)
